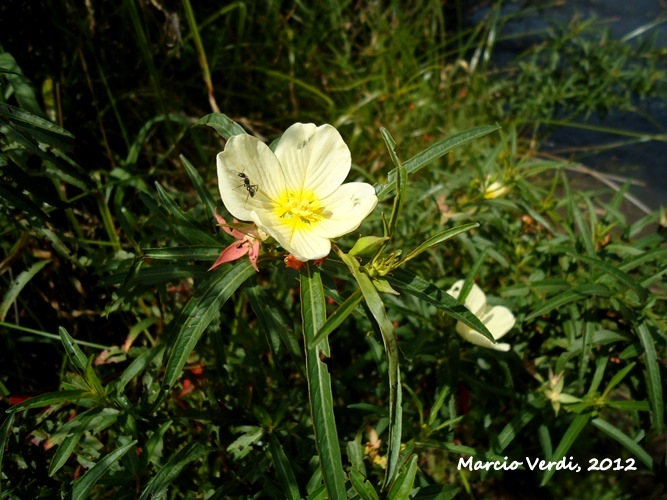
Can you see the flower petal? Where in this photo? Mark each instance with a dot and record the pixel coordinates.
(475, 301)
(304, 245)
(346, 208)
(474, 337)
(249, 176)
(499, 320)
(232, 252)
(313, 158)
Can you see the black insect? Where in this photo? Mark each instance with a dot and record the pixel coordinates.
(247, 184)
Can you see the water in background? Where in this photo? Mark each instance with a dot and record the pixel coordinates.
(644, 161)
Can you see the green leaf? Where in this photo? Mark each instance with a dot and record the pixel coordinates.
(434, 152)
(376, 307)
(273, 320)
(4, 432)
(242, 445)
(618, 275)
(222, 124)
(362, 486)
(625, 440)
(584, 230)
(438, 238)
(19, 283)
(337, 317)
(195, 252)
(195, 230)
(49, 399)
(43, 130)
(401, 182)
(198, 313)
(82, 486)
(513, 428)
(313, 311)
(617, 379)
(73, 431)
(579, 293)
(159, 483)
(566, 442)
(204, 194)
(23, 90)
(284, 470)
(428, 292)
(653, 378)
(21, 201)
(405, 481)
(74, 353)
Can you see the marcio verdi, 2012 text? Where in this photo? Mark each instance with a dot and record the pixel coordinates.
(537, 464)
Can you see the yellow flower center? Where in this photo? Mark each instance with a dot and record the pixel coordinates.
(301, 210)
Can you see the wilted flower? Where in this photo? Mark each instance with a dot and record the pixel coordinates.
(497, 319)
(296, 194)
(248, 243)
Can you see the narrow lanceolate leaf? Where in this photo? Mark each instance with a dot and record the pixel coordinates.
(74, 353)
(439, 238)
(362, 486)
(82, 486)
(158, 485)
(76, 428)
(4, 432)
(568, 440)
(428, 292)
(198, 231)
(284, 470)
(377, 309)
(653, 378)
(19, 283)
(513, 429)
(195, 252)
(401, 181)
(579, 293)
(49, 399)
(625, 440)
(204, 194)
(337, 317)
(198, 313)
(434, 152)
(578, 217)
(313, 312)
(16, 197)
(615, 273)
(222, 124)
(404, 483)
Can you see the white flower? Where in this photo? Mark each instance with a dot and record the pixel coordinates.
(296, 195)
(494, 189)
(498, 319)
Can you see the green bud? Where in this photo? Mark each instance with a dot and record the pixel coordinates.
(366, 246)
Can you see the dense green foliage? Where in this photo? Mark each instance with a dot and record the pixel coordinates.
(151, 376)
